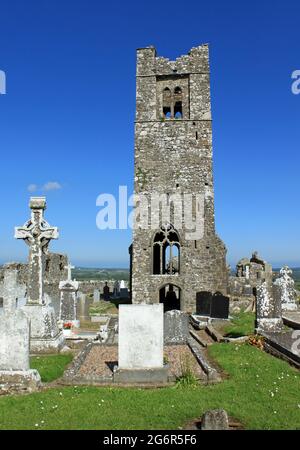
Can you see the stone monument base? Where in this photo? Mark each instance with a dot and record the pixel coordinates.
(269, 325)
(47, 344)
(289, 307)
(19, 380)
(45, 336)
(142, 376)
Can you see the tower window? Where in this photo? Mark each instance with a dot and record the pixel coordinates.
(172, 103)
(167, 112)
(166, 251)
(178, 110)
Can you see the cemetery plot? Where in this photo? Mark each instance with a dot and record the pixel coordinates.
(96, 363)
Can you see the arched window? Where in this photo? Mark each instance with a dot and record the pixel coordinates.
(167, 103)
(172, 103)
(178, 110)
(166, 251)
(167, 93)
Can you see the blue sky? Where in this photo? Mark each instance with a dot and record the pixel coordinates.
(68, 117)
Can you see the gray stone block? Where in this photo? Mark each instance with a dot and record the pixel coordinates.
(215, 419)
(133, 376)
(176, 327)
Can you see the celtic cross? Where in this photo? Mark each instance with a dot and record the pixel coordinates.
(37, 234)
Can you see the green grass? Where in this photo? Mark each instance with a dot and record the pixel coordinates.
(50, 367)
(108, 307)
(242, 324)
(246, 394)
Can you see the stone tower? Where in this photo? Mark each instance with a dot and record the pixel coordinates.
(173, 156)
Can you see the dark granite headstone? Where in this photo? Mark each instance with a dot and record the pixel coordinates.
(219, 306)
(203, 303)
(106, 294)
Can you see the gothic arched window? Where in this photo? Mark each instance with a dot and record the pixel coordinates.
(166, 251)
(172, 103)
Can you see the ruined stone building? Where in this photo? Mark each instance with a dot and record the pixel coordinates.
(250, 273)
(173, 155)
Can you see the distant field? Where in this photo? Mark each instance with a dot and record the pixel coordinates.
(85, 273)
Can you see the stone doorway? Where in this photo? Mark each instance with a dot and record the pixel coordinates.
(170, 295)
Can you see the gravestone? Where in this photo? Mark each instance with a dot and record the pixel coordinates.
(15, 372)
(215, 306)
(215, 419)
(96, 296)
(106, 293)
(123, 290)
(219, 306)
(141, 344)
(248, 291)
(83, 307)
(176, 327)
(203, 303)
(287, 290)
(45, 335)
(68, 300)
(116, 289)
(20, 288)
(268, 308)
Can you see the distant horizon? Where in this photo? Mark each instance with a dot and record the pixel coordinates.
(123, 267)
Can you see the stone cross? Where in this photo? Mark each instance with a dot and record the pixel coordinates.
(9, 291)
(69, 268)
(37, 234)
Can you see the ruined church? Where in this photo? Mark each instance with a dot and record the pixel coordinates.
(173, 154)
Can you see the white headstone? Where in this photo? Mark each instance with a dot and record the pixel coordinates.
(287, 290)
(268, 309)
(96, 295)
(141, 337)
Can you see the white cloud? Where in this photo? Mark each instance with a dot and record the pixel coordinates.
(32, 188)
(52, 186)
(49, 186)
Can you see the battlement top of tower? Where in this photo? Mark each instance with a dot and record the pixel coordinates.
(195, 61)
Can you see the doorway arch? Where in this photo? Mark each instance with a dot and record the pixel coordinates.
(170, 296)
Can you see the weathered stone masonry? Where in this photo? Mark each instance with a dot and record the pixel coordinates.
(173, 154)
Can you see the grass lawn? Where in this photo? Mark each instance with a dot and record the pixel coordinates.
(50, 367)
(108, 307)
(261, 391)
(242, 324)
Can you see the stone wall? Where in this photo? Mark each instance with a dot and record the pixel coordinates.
(54, 273)
(250, 273)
